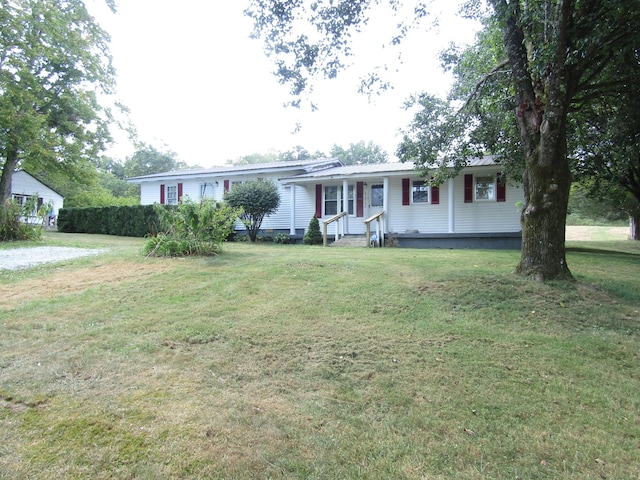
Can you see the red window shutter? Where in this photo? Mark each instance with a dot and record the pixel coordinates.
(179, 193)
(318, 200)
(502, 188)
(226, 185)
(162, 194)
(435, 195)
(359, 199)
(406, 200)
(468, 188)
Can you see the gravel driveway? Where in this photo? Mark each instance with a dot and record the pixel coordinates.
(16, 258)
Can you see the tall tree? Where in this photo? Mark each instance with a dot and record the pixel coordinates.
(358, 153)
(298, 153)
(270, 157)
(54, 61)
(147, 159)
(603, 141)
(561, 54)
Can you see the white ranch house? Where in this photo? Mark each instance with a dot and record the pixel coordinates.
(473, 210)
(24, 186)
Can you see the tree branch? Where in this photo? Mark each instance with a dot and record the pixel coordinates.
(497, 69)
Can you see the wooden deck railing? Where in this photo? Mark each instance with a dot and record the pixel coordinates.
(378, 217)
(326, 222)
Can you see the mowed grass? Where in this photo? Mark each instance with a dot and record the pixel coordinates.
(275, 361)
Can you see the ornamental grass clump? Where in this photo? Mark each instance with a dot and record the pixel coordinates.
(192, 229)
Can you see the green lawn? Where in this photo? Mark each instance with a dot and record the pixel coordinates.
(277, 361)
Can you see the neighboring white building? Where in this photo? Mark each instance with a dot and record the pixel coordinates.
(475, 209)
(24, 186)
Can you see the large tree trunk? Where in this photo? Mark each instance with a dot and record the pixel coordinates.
(547, 181)
(10, 164)
(634, 230)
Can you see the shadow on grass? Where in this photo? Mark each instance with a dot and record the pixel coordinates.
(561, 307)
(606, 251)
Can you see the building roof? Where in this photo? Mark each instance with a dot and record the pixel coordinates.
(39, 181)
(372, 170)
(304, 170)
(307, 166)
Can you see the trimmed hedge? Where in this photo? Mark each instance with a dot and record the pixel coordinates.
(127, 221)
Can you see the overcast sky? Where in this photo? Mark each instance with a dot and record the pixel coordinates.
(198, 85)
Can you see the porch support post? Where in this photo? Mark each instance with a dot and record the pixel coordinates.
(385, 207)
(385, 204)
(345, 206)
(292, 209)
(452, 208)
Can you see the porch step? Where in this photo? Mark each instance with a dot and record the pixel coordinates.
(350, 241)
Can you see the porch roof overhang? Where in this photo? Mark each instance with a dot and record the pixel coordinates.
(369, 171)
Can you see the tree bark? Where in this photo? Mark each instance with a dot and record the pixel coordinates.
(634, 228)
(543, 217)
(10, 164)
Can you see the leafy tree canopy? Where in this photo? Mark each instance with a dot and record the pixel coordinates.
(359, 153)
(54, 60)
(300, 153)
(148, 160)
(297, 153)
(270, 157)
(355, 153)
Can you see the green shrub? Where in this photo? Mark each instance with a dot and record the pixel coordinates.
(254, 200)
(313, 235)
(14, 221)
(282, 238)
(192, 229)
(127, 221)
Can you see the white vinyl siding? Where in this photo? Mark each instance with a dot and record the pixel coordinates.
(423, 217)
(23, 184)
(487, 216)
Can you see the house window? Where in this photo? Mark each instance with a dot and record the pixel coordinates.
(19, 199)
(207, 190)
(420, 191)
(330, 200)
(349, 200)
(172, 194)
(28, 201)
(377, 196)
(485, 188)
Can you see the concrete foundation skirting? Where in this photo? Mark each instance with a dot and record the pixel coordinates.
(496, 241)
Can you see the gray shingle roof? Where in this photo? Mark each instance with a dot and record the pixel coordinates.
(374, 169)
(305, 165)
